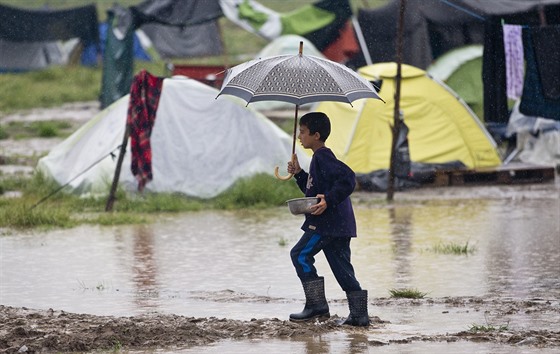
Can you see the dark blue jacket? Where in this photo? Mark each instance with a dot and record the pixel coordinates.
(331, 177)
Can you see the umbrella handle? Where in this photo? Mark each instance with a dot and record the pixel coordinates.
(290, 175)
(283, 178)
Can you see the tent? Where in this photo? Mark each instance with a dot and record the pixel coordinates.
(24, 56)
(433, 27)
(461, 69)
(176, 28)
(32, 39)
(89, 55)
(442, 129)
(200, 145)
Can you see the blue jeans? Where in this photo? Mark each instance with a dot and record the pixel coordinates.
(337, 252)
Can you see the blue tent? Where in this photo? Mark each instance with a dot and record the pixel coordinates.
(89, 54)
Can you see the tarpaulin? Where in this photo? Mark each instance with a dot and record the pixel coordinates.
(22, 25)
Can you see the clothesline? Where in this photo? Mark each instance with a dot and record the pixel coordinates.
(475, 15)
(527, 26)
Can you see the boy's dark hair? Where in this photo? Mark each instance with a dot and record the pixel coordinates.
(317, 122)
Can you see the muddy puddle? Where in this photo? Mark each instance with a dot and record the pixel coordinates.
(214, 270)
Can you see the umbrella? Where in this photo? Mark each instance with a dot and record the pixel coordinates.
(298, 79)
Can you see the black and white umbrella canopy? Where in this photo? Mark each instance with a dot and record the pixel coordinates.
(298, 79)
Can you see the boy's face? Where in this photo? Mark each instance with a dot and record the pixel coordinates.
(307, 140)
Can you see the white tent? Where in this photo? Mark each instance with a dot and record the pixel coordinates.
(200, 145)
(289, 44)
(21, 56)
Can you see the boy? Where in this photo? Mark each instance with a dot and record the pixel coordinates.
(328, 228)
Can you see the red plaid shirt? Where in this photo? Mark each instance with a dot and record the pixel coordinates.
(142, 107)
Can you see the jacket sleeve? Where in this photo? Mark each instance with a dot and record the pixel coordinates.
(301, 180)
(340, 179)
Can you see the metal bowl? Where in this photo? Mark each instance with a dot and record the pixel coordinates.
(301, 205)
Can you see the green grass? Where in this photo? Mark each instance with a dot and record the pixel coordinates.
(113, 219)
(49, 88)
(257, 192)
(453, 248)
(488, 328)
(3, 133)
(65, 210)
(57, 85)
(40, 129)
(407, 294)
(19, 215)
(101, 286)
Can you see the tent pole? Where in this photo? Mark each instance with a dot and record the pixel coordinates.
(396, 112)
(225, 55)
(361, 40)
(111, 199)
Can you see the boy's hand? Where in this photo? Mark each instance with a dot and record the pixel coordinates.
(320, 207)
(293, 166)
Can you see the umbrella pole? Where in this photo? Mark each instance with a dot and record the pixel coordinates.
(276, 173)
(285, 178)
(295, 131)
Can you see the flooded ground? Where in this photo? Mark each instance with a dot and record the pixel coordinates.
(217, 282)
(222, 282)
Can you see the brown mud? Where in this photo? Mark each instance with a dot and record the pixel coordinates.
(45, 331)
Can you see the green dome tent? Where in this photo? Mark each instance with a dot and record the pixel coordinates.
(461, 69)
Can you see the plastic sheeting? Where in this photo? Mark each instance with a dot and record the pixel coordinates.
(538, 138)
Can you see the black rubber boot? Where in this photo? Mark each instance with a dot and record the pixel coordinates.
(316, 306)
(358, 304)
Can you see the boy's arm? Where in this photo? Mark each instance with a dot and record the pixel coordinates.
(301, 180)
(299, 174)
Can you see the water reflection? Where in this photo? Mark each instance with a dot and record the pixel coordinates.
(339, 345)
(144, 267)
(400, 221)
(525, 249)
(403, 236)
(355, 343)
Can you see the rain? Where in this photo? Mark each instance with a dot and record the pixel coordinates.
(458, 214)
